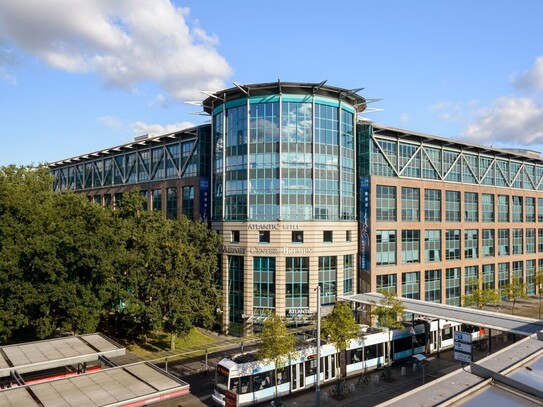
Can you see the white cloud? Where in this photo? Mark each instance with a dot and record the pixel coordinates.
(531, 79)
(125, 42)
(140, 128)
(507, 121)
(111, 122)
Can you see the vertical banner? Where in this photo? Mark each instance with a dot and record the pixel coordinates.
(364, 222)
(204, 198)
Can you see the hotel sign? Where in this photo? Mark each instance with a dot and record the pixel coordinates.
(266, 251)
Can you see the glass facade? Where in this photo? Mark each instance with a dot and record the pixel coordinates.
(386, 203)
(432, 205)
(471, 207)
(284, 157)
(452, 244)
(432, 245)
(264, 285)
(410, 246)
(411, 285)
(432, 284)
(410, 204)
(297, 283)
(386, 247)
(452, 206)
(171, 203)
(328, 279)
(452, 286)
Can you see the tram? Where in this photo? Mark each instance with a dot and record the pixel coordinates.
(252, 381)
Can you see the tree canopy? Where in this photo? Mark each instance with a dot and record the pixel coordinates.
(69, 264)
(389, 310)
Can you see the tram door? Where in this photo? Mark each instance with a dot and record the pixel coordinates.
(297, 377)
(329, 366)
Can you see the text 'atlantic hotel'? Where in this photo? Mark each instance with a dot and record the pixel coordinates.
(305, 194)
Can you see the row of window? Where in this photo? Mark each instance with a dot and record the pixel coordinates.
(446, 244)
(154, 199)
(524, 272)
(297, 236)
(469, 207)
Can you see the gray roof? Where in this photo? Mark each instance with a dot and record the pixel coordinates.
(51, 353)
(110, 387)
(492, 320)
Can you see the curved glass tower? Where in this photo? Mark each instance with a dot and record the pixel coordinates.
(283, 176)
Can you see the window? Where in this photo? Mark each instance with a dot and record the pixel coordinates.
(235, 236)
(452, 244)
(171, 203)
(530, 209)
(488, 277)
(410, 246)
(471, 207)
(530, 241)
(488, 242)
(518, 245)
(540, 240)
(503, 278)
(386, 247)
(432, 205)
(503, 208)
(411, 285)
(297, 283)
(348, 274)
(471, 278)
(348, 236)
(387, 283)
(327, 236)
(517, 209)
(503, 242)
(157, 199)
(328, 279)
(297, 236)
(386, 203)
(488, 208)
(264, 236)
(452, 286)
(471, 243)
(540, 209)
(410, 204)
(432, 245)
(432, 283)
(452, 205)
(263, 284)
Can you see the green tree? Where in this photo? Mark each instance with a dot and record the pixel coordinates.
(55, 256)
(276, 345)
(479, 297)
(339, 327)
(166, 272)
(389, 310)
(515, 290)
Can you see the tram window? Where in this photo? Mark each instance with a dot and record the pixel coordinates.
(263, 381)
(234, 384)
(282, 376)
(245, 382)
(310, 367)
(447, 333)
(370, 352)
(354, 356)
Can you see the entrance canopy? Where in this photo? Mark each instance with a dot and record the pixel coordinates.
(493, 320)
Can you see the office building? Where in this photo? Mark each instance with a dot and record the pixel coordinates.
(305, 193)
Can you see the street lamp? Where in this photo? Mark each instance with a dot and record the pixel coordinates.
(317, 387)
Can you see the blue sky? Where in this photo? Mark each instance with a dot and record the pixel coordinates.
(77, 76)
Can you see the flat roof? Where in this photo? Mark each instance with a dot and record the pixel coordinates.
(119, 386)
(51, 353)
(513, 377)
(493, 320)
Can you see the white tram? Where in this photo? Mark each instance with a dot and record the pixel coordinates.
(252, 381)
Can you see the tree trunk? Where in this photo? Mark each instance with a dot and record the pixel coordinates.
(172, 341)
(540, 303)
(513, 307)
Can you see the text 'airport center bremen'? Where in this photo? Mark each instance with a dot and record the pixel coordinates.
(304, 193)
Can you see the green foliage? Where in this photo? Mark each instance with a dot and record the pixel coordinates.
(389, 310)
(515, 290)
(68, 264)
(340, 326)
(479, 297)
(276, 344)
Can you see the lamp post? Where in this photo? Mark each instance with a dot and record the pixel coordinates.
(318, 387)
